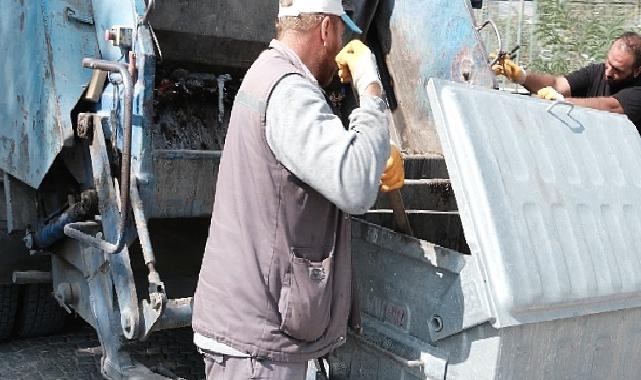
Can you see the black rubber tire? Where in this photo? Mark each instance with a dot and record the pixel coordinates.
(38, 313)
(8, 307)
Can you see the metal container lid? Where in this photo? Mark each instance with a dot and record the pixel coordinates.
(549, 196)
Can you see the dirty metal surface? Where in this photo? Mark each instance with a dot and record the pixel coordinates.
(187, 114)
(110, 13)
(42, 80)
(422, 40)
(20, 211)
(13, 253)
(75, 355)
(234, 31)
(126, 13)
(403, 283)
(186, 183)
(191, 117)
(549, 199)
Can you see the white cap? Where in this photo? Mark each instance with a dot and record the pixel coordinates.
(331, 7)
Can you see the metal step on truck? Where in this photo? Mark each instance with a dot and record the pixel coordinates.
(525, 257)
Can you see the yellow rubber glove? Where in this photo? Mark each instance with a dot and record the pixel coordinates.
(506, 67)
(356, 63)
(394, 173)
(548, 93)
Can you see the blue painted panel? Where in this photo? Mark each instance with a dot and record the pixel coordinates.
(43, 79)
(108, 13)
(423, 40)
(439, 34)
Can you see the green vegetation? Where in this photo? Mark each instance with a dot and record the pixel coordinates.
(570, 35)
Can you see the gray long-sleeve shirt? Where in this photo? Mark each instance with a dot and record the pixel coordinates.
(310, 141)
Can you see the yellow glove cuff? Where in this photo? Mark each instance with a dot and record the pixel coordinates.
(394, 174)
(549, 93)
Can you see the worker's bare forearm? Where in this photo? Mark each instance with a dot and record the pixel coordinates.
(534, 82)
(605, 103)
(374, 89)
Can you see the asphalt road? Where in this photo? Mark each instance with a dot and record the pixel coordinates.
(75, 354)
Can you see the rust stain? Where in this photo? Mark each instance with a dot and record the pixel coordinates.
(412, 120)
(47, 35)
(23, 109)
(459, 65)
(24, 144)
(8, 145)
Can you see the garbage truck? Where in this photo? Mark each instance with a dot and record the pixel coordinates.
(525, 254)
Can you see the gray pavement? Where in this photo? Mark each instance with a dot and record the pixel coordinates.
(75, 354)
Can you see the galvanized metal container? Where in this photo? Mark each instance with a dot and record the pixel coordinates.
(548, 196)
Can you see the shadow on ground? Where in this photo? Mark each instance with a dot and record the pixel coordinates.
(74, 354)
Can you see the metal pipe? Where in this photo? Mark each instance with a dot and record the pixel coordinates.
(498, 38)
(145, 17)
(141, 226)
(31, 277)
(519, 37)
(221, 97)
(177, 314)
(75, 231)
(125, 170)
(143, 235)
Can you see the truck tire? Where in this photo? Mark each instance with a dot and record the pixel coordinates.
(8, 306)
(38, 313)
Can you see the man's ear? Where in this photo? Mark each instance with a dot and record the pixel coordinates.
(326, 25)
(637, 72)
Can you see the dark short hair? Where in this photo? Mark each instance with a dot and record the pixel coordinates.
(632, 43)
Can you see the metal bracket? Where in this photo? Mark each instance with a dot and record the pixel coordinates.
(21, 203)
(101, 172)
(221, 97)
(96, 85)
(432, 361)
(72, 14)
(84, 129)
(113, 229)
(463, 305)
(400, 360)
(153, 308)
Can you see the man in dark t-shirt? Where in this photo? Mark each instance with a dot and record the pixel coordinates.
(614, 85)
